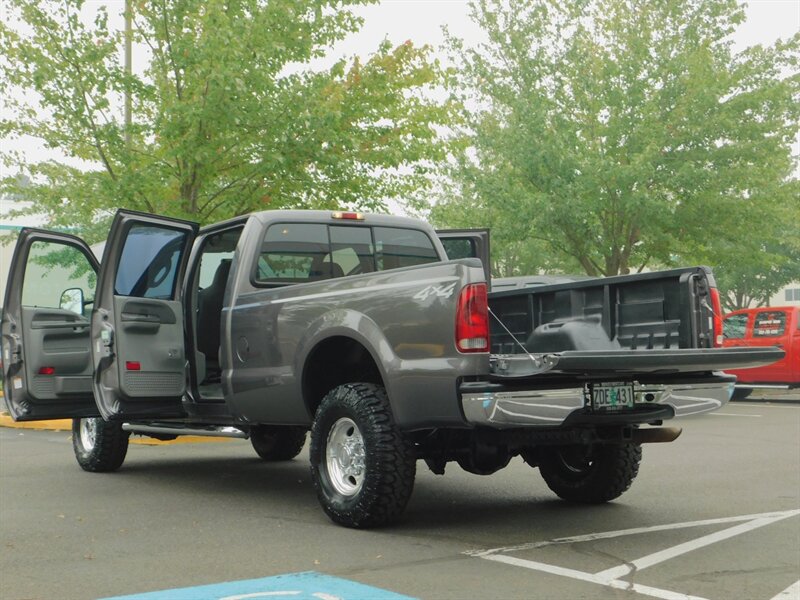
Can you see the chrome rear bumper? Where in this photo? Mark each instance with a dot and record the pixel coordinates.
(552, 407)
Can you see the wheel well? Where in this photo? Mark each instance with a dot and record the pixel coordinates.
(335, 361)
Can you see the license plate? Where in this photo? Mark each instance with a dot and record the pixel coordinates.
(612, 396)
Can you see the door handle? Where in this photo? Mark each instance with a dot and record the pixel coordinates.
(139, 318)
(58, 325)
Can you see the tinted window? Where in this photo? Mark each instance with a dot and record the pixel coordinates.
(459, 248)
(351, 251)
(396, 248)
(733, 327)
(149, 263)
(293, 252)
(769, 324)
(217, 248)
(52, 269)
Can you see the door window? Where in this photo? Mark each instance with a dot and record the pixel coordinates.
(149, 263)
(459, 248)
(53, 275)
(769, 324)
(733, 327)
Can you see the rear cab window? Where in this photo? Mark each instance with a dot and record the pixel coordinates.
(304, 252)
(734, 327)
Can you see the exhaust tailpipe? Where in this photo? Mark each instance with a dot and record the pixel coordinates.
(656, 435)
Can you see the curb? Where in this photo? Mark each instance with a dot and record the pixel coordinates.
(54, 425)
(66, 425)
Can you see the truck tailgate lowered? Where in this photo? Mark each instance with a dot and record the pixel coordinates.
(628, 363)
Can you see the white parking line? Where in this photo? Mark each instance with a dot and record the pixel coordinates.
(767, 406)
(611, 577)
(623, 532)
(706, 540)
(718, 414)
(790, 593)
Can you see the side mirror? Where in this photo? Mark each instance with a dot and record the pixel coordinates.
(72, 300)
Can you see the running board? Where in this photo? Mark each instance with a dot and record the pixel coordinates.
(760, 386)
(169, 429)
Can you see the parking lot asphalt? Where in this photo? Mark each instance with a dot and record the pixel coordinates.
(715, 514)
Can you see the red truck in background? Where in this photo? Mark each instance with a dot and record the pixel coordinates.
(771, 326)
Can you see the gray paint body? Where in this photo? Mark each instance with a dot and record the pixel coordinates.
(268, 333)
(404, 319)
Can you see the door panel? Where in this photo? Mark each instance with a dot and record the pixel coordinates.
(138, 342)
(46, 345)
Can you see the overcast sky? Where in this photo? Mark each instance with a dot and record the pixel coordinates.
(422, 20)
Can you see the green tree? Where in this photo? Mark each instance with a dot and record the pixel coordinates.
(751, 278)
(229, 113)
(616, 135)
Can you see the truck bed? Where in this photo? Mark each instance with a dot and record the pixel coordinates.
(661, 322)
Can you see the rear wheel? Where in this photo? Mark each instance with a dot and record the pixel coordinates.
(99, 446)
(362, 466)
(590, 474)
(277, 442)
(741, 393)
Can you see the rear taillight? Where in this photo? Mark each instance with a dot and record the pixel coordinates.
(716, 308)
(472, 319)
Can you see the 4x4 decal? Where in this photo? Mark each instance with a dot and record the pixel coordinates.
(441, 291)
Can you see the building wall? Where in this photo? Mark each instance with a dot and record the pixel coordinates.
(788, 296)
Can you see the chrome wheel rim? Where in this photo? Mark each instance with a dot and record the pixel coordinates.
(345, 457)
(88, 433)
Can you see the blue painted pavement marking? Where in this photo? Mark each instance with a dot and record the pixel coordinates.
(297, 586)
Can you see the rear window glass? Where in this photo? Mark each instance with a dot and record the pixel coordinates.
(769, 324)
(352, 251)
(733, 327)
(397, 248)
(293, 253)
(301, 252)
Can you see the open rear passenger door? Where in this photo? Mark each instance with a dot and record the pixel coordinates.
(138, 344)
(47, 364)
(467, 243)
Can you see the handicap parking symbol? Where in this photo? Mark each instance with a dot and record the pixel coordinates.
(295, 586)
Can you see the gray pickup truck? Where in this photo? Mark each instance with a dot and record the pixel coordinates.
(360, 329)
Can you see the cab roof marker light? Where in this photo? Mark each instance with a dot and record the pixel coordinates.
(351, 216)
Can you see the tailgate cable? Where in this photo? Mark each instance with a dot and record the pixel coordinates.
(536, 359)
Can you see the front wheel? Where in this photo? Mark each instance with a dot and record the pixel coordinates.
(362, 465)
(590, 474)
(99, 446)
(277, 442)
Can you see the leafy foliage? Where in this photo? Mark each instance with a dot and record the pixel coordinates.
(614, 136)
(229, 115)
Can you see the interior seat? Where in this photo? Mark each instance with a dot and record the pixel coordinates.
(209, 316)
